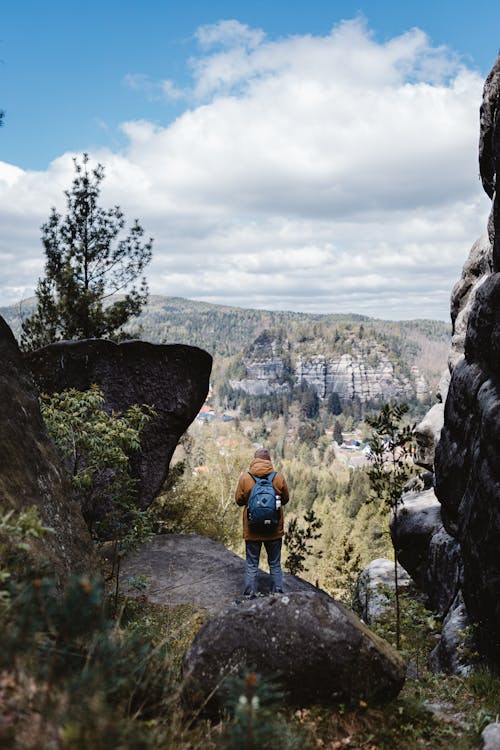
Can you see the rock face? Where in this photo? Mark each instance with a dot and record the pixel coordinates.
(355, 377)
(172, 378)
(467, 457)
(366, 373)
(191, 569)
(31, 472)
(468, 466)
(322, 652)
(458, 565)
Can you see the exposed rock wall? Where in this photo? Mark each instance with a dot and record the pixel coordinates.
(173, 379)
(366, 374)
(354, 377)
(467, 457)
(31, 472)
(459, 565)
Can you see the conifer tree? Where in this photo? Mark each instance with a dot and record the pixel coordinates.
(89, 259)
(391, 451)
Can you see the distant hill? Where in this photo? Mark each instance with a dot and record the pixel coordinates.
(261, 350)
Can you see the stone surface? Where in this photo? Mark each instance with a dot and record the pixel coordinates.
(172, 378)
(427, 434)
(31, 472)
(322, 652)
(191, 569)
(418, 517)
(468, 466)
(447, 656)
(476, 269)
(442, 576)
(490, 737)
(374, 584)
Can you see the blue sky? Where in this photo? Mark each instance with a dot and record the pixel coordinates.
(225, 127)
(64, 63)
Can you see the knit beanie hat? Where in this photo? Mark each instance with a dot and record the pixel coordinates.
(262, 453)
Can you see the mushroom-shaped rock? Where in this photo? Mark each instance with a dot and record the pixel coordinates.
(316, 649)
(172, 378)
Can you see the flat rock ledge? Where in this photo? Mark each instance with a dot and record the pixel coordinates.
(192, 569)
(316, 649)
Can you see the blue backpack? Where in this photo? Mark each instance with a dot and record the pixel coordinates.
(262, 512)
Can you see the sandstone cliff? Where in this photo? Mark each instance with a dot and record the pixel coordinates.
(457, 563)
(354, 368)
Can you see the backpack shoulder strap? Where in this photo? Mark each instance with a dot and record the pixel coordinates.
(271, 476)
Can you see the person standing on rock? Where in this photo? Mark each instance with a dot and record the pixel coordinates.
(258, 529)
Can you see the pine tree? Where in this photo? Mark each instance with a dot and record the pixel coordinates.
(391, 451)
(88, 260)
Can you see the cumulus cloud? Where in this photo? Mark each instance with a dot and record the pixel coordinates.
(320, 173)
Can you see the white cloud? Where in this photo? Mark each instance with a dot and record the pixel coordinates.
(228, 34)
(330, 173)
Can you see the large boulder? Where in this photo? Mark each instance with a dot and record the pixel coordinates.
(375, 589)
(31, 472)
(417, 518)
(172, 378)
(192, 569)
(318, 650)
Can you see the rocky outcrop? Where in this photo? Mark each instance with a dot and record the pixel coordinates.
(191, 569)
(468, 469)
(365, 373)
(460, 567)
(321, 652)
(418, 518)
(353, 376)
(467, 465)
(427, 434)
(476, 269)
(31, 472)
(173, 379)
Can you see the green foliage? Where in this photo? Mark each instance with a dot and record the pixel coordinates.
(88, 260)
(17, 531)
(333, 404)
(256, 724)
(97, 448)
(198, 496)
(91, 678)
(93, 441)
(298, 541)
(391, 449)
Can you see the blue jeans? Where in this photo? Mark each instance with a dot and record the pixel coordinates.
(273, 549)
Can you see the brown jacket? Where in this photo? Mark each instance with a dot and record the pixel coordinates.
(260, 467)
